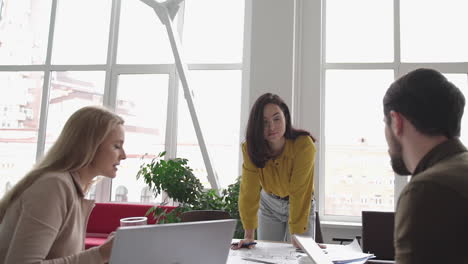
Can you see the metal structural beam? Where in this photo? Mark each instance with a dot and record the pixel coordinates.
(166, 11)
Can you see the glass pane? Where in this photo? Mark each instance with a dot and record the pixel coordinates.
(81, 32)
(19, 124)
(70, 91)
(359, 31)
(213, 31)
(358, 175)
(24, 26)
(218, 100)
(142, 102)
(461, 81)
(91, 194)
(437, 34)
(142, 38)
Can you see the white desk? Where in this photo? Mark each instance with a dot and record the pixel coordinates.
(275, 252)
(281, 253)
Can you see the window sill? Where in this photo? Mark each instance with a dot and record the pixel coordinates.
(341, 224)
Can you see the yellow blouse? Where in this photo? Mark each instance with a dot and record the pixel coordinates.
(291, 174)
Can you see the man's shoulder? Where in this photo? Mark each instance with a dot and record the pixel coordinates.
(448, 173)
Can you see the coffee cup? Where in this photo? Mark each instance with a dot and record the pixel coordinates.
(134, 221)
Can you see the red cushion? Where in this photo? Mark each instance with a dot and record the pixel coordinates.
(91, 241)
(105, 217)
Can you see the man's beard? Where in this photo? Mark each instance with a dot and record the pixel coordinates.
(396, 157)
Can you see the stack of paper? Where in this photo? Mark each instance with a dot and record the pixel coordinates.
(333, 254)
(351, 253)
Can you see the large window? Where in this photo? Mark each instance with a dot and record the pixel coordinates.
(20, 103)
(55, 60)
(367, 45)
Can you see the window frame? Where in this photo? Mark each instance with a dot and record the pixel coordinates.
(399, 68)
(112, 71)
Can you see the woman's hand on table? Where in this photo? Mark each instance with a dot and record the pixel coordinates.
(247, 242)
(106, 248)
(294, 242)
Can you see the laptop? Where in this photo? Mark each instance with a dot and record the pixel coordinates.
(205, 242)
(314, 252)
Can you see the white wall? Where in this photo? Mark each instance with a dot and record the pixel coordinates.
(283, 56)
(271, 48)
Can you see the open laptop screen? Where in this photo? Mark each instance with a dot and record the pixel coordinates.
(205, 242)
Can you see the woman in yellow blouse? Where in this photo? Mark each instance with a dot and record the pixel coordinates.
(277, 185)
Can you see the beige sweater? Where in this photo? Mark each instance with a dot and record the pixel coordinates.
(47, 224)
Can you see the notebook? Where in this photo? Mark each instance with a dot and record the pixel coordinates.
(205, 242)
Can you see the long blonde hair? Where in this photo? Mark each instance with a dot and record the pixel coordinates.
(75, 148)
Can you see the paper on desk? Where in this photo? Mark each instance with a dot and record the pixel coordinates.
(351, 253)
(278, 253)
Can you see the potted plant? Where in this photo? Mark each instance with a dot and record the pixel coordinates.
(176, 178)
(231, 205)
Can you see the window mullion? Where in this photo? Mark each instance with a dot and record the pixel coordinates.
(46, 84)
(214, 66)
(172, 110)
(104, 187)
(173, 101)
(399, 181)
(321, 136)
(110, 89)
(360, 65)
(172, 115)
(396, 34)
(445, 67)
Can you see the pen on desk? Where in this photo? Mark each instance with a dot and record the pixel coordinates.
(258, 260)
(244, 245)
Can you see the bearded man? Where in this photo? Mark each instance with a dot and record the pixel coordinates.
(423, 112)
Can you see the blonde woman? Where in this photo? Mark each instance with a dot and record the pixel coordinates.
(43, 218)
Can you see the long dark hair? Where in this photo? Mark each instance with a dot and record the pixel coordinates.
(257, 146)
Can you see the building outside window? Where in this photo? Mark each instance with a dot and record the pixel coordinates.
(146, 195)
(91, 194)
(121, 194)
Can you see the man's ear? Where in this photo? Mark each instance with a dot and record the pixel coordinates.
(397, 121)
